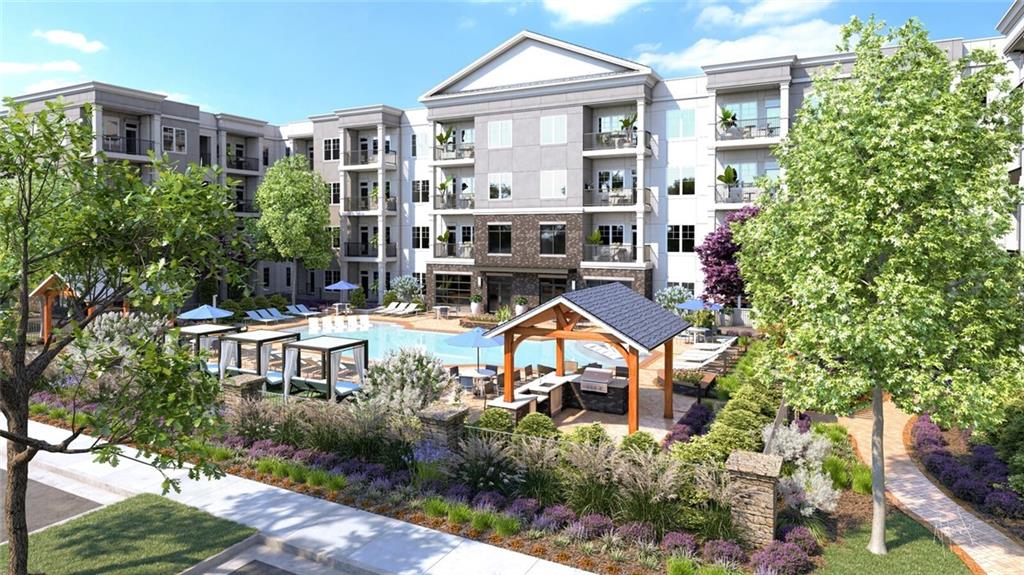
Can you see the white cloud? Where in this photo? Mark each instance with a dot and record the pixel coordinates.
(70, 39)
(465, 23)
(647, 47)
(762, 13)
(805, 39)
(589, 11)
(47, 84)
(29, 67)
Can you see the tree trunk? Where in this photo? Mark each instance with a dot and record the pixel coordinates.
(877, 543)
(14, 499)
(295, 279)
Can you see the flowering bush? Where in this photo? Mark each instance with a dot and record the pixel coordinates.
(808, 491)
(806, 450)
(803, 538)
(593, 526)
(636, 532)
(782, 558)
(1004, 503)
(723, 552)
(693, 423)
(489, 500)
(554, 518)
(523, 508)
(680, 544)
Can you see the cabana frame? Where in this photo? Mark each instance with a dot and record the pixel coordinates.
(260, 338)
(327, 347)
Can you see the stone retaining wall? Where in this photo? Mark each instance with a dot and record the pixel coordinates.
(755, 505)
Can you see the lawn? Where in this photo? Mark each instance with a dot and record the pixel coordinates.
(144, 535)
(913, 550)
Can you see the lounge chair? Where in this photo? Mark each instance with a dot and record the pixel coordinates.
(256, 317)
(399, 309)
(385, 309)
(314, 324)
(266, 315)
(410, 309)
(294, 310)
(305, 310)
(274, 313)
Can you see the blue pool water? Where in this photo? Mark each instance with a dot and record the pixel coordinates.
(384, 337)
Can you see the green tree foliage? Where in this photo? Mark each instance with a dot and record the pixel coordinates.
(875, 266)
(294, 204)
(112, 237)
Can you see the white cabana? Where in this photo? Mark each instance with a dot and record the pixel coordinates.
(205, 336)
(235, 348)
(342, 366)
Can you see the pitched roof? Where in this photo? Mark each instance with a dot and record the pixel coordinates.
(635, 319)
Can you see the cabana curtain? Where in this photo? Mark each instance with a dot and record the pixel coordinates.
(228, 353)
(264, 361)
(332, 378)
(291, 356)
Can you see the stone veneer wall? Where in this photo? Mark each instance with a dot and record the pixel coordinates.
(526, 241)
(444, 424)
(755, 505)
(239, 388)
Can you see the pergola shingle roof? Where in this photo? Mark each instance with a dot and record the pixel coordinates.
(638, 320)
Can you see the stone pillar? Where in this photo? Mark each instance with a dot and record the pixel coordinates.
(755, 505)
(444, 424)
(239, 388)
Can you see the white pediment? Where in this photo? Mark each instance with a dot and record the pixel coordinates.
(530, 58)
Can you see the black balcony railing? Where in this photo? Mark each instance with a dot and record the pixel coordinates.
(454, 152)
(612, 253)
(368, 203)
(237, 163)
(122, 145)
(750, 128)
(736, 193)
(446, 250)
(617, 140)
(609, 196)
(368, 158)
(453, 202)
(368, 250)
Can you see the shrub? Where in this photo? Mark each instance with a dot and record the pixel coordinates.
(406, 381)
(277, 300)
(496, 419)
(589, 477)
(636, 532)
(1009, 438)
(681, 566)
(723, 552)
(482, 520)
(261, 302)
(435, 507)
(537, 425)
(737, 425)
(782, 558)
(668, 297)
(838, 436)
(970, 488)
(406, 287)
(523, 508)
(592, 434)
(808, 491)
(491, 500)
(541, 476)
(806, 450)
(554, 518)
(357, 298)
(640, 442)
(389, 298)
(252, 419)
(803, 538)
(505, 525)
(1004, 503)
(838, 470)
(679, 544)
(485, 464)
(459, 513)
(595, 525)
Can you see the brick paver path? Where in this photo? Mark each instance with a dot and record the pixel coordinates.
(993, 551)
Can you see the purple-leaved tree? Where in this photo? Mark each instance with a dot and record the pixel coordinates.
(722, 281)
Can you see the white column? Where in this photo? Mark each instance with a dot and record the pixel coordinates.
(783, 109)
(641, 178)
(97, 128)
(382, 244)
(222, 153)
(156, 133)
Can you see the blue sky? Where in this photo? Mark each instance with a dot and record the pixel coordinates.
(285, 61)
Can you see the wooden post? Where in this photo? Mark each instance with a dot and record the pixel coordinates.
(669, 377)
(634, 390)
(559, 356)
(47, 317)
(509, 363)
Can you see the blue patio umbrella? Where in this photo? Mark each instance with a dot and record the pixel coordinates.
(205, 313)
(340, 287)
(692, 305)
(715, 307)
(475, 338)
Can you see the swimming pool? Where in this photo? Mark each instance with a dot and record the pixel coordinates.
(385, 337)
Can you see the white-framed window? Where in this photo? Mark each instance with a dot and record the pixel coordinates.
(420, 191)
(746, 172)
(332, 149)
(611, 123)
(499, 186)
(679, 124)
(175, 140)
(745, 111)
(680, 181)
(552, 184)
(499, 134)
(467, 185)
(611, 234)
(421, 277)
(412, 148)
(552, 129)
(680, 239)
(331, 277)
(466, 233)
(335, 192)
(689, 286)
(420, 237)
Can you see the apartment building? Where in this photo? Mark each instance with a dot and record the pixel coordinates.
(540, 167)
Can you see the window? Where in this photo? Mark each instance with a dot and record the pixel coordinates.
(746, 112)
(468, 185)
(552, 184)
(421, 278)
(452, 289)
(266, 277)
(335, 237)
(610, 180)
(332, 149)
(499, 134)
(680, 124)
(266, 157)
(335, 192)
(771, 113)
(552, 130)
(331, 276)
(550, 288)
(500, 186)
(467, 234)
(681, 181)
(468, 137)
(288, 277)
(611, 234)
(771, 169)
(420, 237)
(610, 123)
(499, 238)
(552, 239)
(688, 286)
(175, 140)
(421, 191)
(680, 238)
(746, 172)
(413, 146)
(310, 281)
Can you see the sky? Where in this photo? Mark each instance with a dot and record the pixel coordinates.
(284, 61)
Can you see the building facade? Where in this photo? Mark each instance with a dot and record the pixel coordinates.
(539, 168)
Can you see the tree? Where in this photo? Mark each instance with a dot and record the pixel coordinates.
(875, 268)
(722, 281)
(668, 297)
(112, 238)
(294, 220)
(406, 287)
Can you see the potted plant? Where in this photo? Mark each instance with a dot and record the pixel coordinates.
(444, 141)
(375, 241)
(729, 177)
(727, 120)
(474, 304)
(520, 305)
(628, 125)
(594, 238)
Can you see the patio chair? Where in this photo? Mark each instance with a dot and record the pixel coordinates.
(294, 310)
(385, 309)
(544, 369)
(256, 317)
(314, 324)
(339, 324)
(266, 315)
(274, 313)
(302, 308)
(403, 309)
(393, 308)
(528, 373)
(410, 309)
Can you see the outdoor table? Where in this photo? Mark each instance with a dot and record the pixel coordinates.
(342, 308)
(697, 332)
(477, 373)
(441, 311)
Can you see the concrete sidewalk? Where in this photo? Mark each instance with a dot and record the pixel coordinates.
(338, 536)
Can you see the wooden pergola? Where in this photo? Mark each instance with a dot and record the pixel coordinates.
(616, 315)
(48, 291)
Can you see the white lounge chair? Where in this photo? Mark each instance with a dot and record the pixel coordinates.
(399, 309)
(295, 310)
(410, 309)
(386, 310)
(314, 324)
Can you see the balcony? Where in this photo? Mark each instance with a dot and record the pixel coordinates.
(750, 129)
(617, 253)
(368, 204)
(741, 193)
(368, 159)
(130, 146)
(614, 197)
(453, 202)
(451, 152)
(446, 250)
(618, 141)
(368, 250)
(238, 163)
